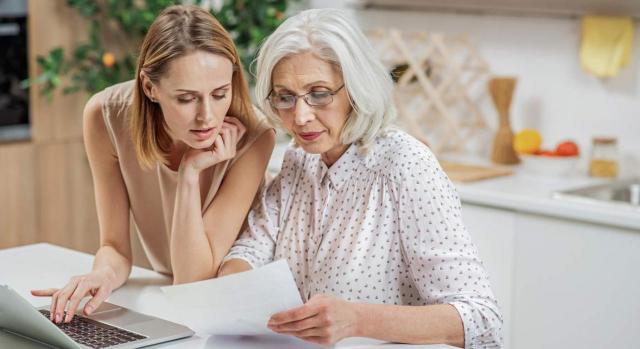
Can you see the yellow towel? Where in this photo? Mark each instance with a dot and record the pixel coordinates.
(606, 44)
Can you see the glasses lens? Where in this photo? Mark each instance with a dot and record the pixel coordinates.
(319, 98)
(282, 101)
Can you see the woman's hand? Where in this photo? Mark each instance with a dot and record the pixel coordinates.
(223, 148)
(323, 320)
(98, 284)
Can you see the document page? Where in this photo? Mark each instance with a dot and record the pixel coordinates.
(237, 304)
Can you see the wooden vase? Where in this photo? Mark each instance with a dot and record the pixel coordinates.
(501, 90)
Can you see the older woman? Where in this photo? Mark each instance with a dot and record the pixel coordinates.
(367, 220)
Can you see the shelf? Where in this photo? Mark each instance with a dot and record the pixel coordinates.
(545, 8)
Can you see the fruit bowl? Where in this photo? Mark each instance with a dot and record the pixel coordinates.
(549, 165)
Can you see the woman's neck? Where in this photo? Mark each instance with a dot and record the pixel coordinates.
(331, 156)
(175, 155)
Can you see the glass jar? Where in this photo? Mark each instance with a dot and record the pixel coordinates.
(604, 157)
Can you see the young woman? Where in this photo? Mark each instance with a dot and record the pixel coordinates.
(180, 150)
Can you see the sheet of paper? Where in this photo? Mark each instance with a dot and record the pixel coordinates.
(237, 304)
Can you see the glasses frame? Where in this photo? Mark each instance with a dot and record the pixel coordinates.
(304, 97)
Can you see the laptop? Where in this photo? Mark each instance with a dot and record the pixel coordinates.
(110, 326)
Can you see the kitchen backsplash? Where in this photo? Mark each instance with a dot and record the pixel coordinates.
(554, 95)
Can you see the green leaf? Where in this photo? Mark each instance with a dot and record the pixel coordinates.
(25, 84)
(248, 22)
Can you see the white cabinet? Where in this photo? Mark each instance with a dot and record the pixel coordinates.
(493, 232)
(560, 283)
(576, 285)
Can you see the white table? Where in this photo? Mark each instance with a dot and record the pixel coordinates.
(43, 266)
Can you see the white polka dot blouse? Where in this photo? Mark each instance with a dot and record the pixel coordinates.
(383, 227)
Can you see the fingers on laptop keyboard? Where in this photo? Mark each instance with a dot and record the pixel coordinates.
(74, 300)
(97, 299)
(60, 300)
(46, 293)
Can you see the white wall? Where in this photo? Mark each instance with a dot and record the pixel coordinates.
(553, 94)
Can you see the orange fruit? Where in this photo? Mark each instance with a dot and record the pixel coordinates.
(108, 59)
(567, 148)
(527, 141)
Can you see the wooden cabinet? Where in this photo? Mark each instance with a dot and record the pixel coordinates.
(46, 189)
(46, 195)
(18, 215)
(66, 206)
(560, 283)
(45, 185)
(59, 118)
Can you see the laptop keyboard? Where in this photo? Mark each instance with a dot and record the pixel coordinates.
(95, 334)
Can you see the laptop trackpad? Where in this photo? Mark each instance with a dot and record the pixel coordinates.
(104, 307)
(119, 317)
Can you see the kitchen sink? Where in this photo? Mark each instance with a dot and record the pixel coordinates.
(625, 192)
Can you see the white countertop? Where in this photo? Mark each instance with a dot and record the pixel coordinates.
(529, 193)
(43, 266)
(534, 194)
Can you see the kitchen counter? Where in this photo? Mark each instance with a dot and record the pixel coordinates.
(525, 192)
(544, 255)
(534, 194)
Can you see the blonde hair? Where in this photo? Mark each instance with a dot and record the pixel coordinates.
(177, 31)
(331, 36)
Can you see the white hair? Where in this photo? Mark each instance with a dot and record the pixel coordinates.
(331, 36)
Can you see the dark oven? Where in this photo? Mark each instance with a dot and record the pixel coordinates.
(14, 68)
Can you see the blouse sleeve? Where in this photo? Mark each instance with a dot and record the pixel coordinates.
(443, 262)
(256, 244)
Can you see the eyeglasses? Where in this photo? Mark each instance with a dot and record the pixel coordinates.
(313, 99)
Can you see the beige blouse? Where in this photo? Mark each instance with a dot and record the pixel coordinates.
(152, 192)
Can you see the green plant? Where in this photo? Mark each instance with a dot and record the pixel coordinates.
(92, 66)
